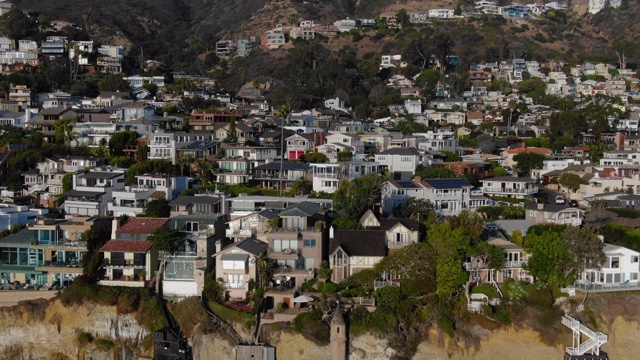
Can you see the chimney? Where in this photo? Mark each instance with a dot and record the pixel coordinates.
(218, 245)
(331, 232)
(541, 206)
(417, 179)
(115, 224)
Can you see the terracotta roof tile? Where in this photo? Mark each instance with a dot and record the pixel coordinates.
(134, 246)
(141, 225)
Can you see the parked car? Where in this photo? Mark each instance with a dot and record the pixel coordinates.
(573, 203)
(560, 199)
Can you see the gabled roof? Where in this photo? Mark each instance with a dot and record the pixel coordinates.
(134, 246)
(250, 245)
(304, 208)
(388, 223)
(359, 242)
(142, 225)
(510, 179)
(401, 151)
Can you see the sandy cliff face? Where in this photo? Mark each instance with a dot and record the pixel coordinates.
(47, 330)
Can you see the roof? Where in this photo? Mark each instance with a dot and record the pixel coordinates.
(388, 223)
(275, 165)
(401, 151)
(304, 208)
(134, 246)
(252, 246)
(23, 237)
(142, 225)
(188, 200)
(359, 242)
(234, 257)
(550, 207)
(446, 183)
(510, 179)
(100, 175)
(83, 193)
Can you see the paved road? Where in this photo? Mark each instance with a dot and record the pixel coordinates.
(548, 194)
(13, 297)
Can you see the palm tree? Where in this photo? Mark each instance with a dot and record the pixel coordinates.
(264, 267)
(282, 114)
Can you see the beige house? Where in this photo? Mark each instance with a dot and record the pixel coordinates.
(299, 244)
(398, 232)
(515, 260)
(125, 261)
(236, 266)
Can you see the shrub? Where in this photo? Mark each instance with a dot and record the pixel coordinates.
(487, 309)
(127, 302)
(514, 289)
(446, 325)
(503, 316)
(307, 286)
(249, 324)
(83, 338)
(329, 288)
(104, 344)
(320, 286)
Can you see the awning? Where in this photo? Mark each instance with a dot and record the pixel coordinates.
(234, 257)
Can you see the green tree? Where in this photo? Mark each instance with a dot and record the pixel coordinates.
(232, 134)
(158, 207)
(499, 171)
(67, 182)
(213, 289)
(427, 81)
(112, 83)
(451, 156)
(15, 24)
(120, 139)
(415, 208)
(314, 157)
(151, 88)
(353, 197)
(528, 161)
(344, 156)
(571, 181)
(450, 276)
(436, 172)
(166, 240)
(624, 49)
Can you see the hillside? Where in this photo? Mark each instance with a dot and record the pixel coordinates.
(177, 31)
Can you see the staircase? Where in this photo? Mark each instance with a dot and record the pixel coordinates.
(223, 324)
(497, 287)
(594, 339)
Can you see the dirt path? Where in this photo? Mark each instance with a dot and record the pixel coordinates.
(13, 297)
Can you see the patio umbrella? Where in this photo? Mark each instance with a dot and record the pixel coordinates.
(303, 299)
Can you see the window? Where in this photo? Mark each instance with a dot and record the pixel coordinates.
(615, 262)
(634, 276)
(405, 158)
(309, 243)
(191, 226)
(634, 258)
(233, 265)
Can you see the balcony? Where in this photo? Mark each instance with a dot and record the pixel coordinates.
(290, 270)
(514, 264)
(398, 244)
(236, 286)
(123, 283)
(232, 233)
(590, 287)
(128, 263)
(380, 284)
(507, 191)
(70, 267)
(285, 254)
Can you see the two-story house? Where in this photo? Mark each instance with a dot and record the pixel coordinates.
(169, 146)
(244, 204)
(92, 191)
(448, 196)
(554, 214)
(197, 204)
(47, 117)
(399, 233)
(401, 162)
(236, 265)
(272, 174)
(509, 186)
(130, 253)
(327, 177)
(618, 272)
(513, 266)
(299, 144)
(354, 251)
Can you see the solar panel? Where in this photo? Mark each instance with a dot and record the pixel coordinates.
(407, 184)
(448, 183)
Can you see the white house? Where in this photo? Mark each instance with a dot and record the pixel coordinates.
(448, 196)
(618, 272)
(92, 191)
(401, 162)
(327, 177)
(513, 187)
(441, 13)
